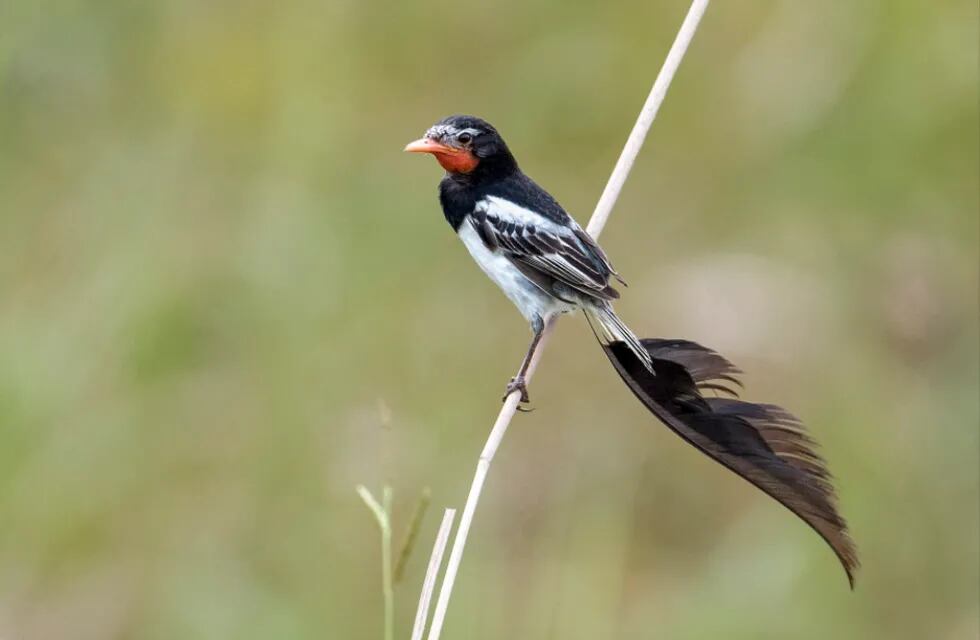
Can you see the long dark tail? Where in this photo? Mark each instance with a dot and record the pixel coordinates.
(763, 443)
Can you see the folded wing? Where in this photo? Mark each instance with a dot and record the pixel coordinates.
(561, 258)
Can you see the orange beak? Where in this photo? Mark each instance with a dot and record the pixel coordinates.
(452, 159)
(427, 145)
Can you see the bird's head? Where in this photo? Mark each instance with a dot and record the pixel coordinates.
(466, 146)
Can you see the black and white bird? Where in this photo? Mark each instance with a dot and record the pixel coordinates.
(547, 264)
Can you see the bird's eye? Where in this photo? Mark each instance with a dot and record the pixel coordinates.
(464, 138)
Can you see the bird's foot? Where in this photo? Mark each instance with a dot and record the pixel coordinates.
(518, 384)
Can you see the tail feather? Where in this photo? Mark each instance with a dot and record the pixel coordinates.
(615, 330)
(763, 443)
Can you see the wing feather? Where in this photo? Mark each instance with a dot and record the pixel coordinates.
(565, 254)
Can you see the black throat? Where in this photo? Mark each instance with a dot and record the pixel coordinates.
(459, 192)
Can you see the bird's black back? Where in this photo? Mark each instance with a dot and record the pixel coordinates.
(459, 195)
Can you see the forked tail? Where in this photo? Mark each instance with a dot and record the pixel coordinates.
(763, 443)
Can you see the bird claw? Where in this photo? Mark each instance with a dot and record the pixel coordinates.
(518, 384)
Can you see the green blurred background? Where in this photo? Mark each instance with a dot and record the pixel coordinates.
(228, 297)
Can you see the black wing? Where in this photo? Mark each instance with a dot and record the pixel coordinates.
(555, 256)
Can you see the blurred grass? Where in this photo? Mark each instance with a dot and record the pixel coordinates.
(215, 261)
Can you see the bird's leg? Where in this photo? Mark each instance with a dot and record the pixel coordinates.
(518, 383)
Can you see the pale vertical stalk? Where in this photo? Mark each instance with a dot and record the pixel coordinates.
(382, 513)
(386, 577)
(429, 584)
(599, 217)
(647, 114)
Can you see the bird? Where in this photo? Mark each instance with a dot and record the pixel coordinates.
(548, 265)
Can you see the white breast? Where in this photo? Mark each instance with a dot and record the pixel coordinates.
(528, 297)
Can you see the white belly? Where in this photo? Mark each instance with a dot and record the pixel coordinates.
(526, 296)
